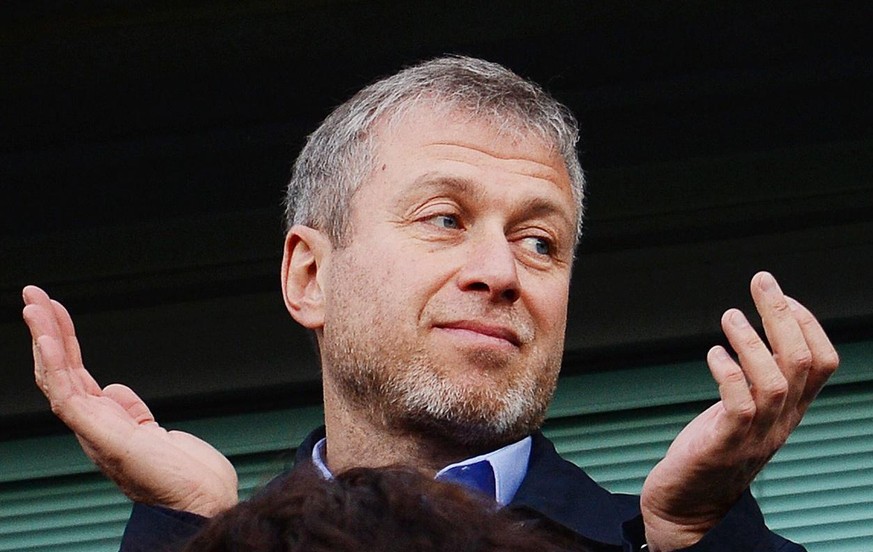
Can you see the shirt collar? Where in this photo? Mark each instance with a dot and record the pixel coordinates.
(509, 464)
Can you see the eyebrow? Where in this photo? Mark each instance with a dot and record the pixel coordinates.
(534, 207)
(440, 181)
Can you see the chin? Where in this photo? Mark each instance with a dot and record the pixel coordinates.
(471, 425)
(472, 436)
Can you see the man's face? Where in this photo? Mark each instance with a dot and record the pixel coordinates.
(445, 312)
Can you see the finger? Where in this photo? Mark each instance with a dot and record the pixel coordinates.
(81, 376)
(790, 349)
(38, 313)
(38, 367)
(39, 317)
(825, 358)
(44, 319)
(55, 380)
(66, 330)
(768, 385)
(130, 402)
(736, 397)
(45, 341)
(33, 294)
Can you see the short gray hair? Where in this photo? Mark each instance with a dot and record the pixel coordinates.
(340, 154)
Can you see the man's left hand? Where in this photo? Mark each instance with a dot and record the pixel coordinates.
(764, 395)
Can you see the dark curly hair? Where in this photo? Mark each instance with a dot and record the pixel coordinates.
(366, 509)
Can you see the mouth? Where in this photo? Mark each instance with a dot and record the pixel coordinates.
(481, 331)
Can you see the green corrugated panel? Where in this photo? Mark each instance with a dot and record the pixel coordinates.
(818, 490)
(52, 501)
(91, 545)
(254, 471)
(56, 513)
(86, 512)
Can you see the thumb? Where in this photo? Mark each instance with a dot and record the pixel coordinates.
(130, 402)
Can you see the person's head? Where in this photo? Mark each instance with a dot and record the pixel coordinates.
(365, 510)
(342, 153)
(431, 249)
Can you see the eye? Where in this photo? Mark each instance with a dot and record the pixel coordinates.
(538, 244)
(450, 222)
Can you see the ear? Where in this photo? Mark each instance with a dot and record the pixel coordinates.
(306, 254)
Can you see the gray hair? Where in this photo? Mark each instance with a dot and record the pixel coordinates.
(341, 153)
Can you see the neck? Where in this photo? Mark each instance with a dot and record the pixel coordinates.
(357, 437)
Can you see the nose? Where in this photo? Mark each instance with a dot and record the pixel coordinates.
(490, 268)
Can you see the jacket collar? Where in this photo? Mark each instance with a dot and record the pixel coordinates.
(304, 451)
(562, 492)
(555, 489)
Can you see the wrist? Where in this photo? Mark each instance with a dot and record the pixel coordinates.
(204, 506)
(666, 536)
(213, 507)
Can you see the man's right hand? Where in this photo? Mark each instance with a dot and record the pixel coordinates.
(115, 427)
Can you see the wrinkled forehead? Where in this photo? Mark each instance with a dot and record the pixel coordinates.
(431, 134)
(406, 124)
(426, 147)
(504, 121)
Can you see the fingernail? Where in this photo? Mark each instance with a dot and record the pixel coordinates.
(721, 354)
(768, 283)
(739, 320)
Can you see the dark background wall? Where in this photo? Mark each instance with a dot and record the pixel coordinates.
(144, 147)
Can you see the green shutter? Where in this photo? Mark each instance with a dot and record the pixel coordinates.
(86, 513)
(51, 499)
(818, 490)
(82, 512)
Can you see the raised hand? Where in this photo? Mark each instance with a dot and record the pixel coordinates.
(115, 427)
(763, 398)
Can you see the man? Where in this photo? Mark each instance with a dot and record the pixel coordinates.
(432, 223)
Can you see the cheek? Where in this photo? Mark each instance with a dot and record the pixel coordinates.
(547, 302)
(389, 284)
(416, 274)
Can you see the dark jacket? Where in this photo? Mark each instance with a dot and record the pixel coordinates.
(553, 488)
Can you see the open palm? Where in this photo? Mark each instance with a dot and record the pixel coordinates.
(115, 427)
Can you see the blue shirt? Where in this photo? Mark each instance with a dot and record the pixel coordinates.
(509, 464)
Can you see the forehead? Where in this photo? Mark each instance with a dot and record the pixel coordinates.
(431, 156)
(446, 116)
(420, 137)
